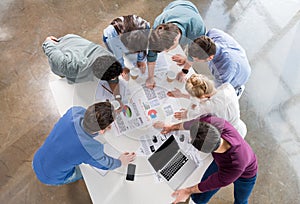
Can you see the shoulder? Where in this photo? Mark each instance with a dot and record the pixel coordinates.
(213, 32)
(221, 124)
(76, 110)
(226, 86)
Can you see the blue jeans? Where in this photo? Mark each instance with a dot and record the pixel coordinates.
(242, 188)
(74, 177)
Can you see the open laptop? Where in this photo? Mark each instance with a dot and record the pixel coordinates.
(171, 163)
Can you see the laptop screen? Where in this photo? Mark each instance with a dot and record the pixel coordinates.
(164, 153)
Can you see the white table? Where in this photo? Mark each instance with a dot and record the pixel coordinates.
(113, 187)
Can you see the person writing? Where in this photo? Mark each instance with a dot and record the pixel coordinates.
(71, 143)
(179, 23)
(234, 160)
(221, 101)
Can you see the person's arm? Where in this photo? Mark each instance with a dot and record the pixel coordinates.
(167, 128)
(182, 61)
(115, 87)
(176, 93)
(183, 194)
(56, 57)
(223, 71)
(115, 45)
(103, 161)
(151, 61)
(98, 158)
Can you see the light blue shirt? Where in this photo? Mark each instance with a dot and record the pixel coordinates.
(186, 16)
(114, 44)
(230, 63)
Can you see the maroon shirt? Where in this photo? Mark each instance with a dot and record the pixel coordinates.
(238, 161)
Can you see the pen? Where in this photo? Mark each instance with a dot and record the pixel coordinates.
(107, 89)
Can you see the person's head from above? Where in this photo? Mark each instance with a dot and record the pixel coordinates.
(136, 41)
(205, 137)
(202, 49)
(98, 117)
(200, 86)
(106, 68)
(164, 37)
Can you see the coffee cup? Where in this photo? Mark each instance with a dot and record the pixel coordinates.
(171, 75)
(115, 104)
(134, 73)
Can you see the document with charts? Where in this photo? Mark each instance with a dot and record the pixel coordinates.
(146, 106)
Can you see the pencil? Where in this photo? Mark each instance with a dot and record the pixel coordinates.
(107, 89)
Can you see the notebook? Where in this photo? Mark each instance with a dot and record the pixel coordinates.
(173, 165)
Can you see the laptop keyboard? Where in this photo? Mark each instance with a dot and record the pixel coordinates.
(173, 166)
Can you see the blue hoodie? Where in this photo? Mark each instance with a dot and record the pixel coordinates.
(67, 146)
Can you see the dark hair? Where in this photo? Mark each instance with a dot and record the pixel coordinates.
(98, 116)
(136, 41)
(106, 67)
(162, 38)
(129, 23)
(205, 137)
(202, 48)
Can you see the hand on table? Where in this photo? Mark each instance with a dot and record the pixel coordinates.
(176, 93)
(127, 157)
(150, 82)
(119, 110)
(179, 59)
(161, 125)
(181, 115)
(52, 38)
(125, 73)
(181, 77)
(141, 66)
(181, 195)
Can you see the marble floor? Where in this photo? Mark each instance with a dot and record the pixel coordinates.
(268, 30)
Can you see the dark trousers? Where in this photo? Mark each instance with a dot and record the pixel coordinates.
(242, 188)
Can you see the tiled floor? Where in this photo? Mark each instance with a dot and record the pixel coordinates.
(268, 30)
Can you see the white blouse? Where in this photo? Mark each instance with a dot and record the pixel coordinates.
(224, 104)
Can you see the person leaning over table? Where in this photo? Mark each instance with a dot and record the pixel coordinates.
(118, 27)
(221, 101)
(226, 58)
(179, 23)
(71, 143)
(79, 60)
(234, 160)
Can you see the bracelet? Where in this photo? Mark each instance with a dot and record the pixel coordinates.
(185, 71)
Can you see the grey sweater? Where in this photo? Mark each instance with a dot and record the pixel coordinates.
(72, 57)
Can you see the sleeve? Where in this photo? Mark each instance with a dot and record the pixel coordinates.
(226, 72)
(56, 57)
(229, 74)
(104, 162)
(97, 156)
(117, 48)
(151, 56)
(63, 63)
(141, 57)
(187, 125)
(220, 179)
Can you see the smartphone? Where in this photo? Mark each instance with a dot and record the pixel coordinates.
(130, 172)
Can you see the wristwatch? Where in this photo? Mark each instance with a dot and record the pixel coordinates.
(185, 71)
(118, 97)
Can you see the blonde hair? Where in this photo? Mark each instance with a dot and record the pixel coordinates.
(198, 85)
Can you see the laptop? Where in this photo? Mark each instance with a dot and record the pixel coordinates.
(171, 163)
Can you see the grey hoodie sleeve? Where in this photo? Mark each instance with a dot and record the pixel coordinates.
(59, 61)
